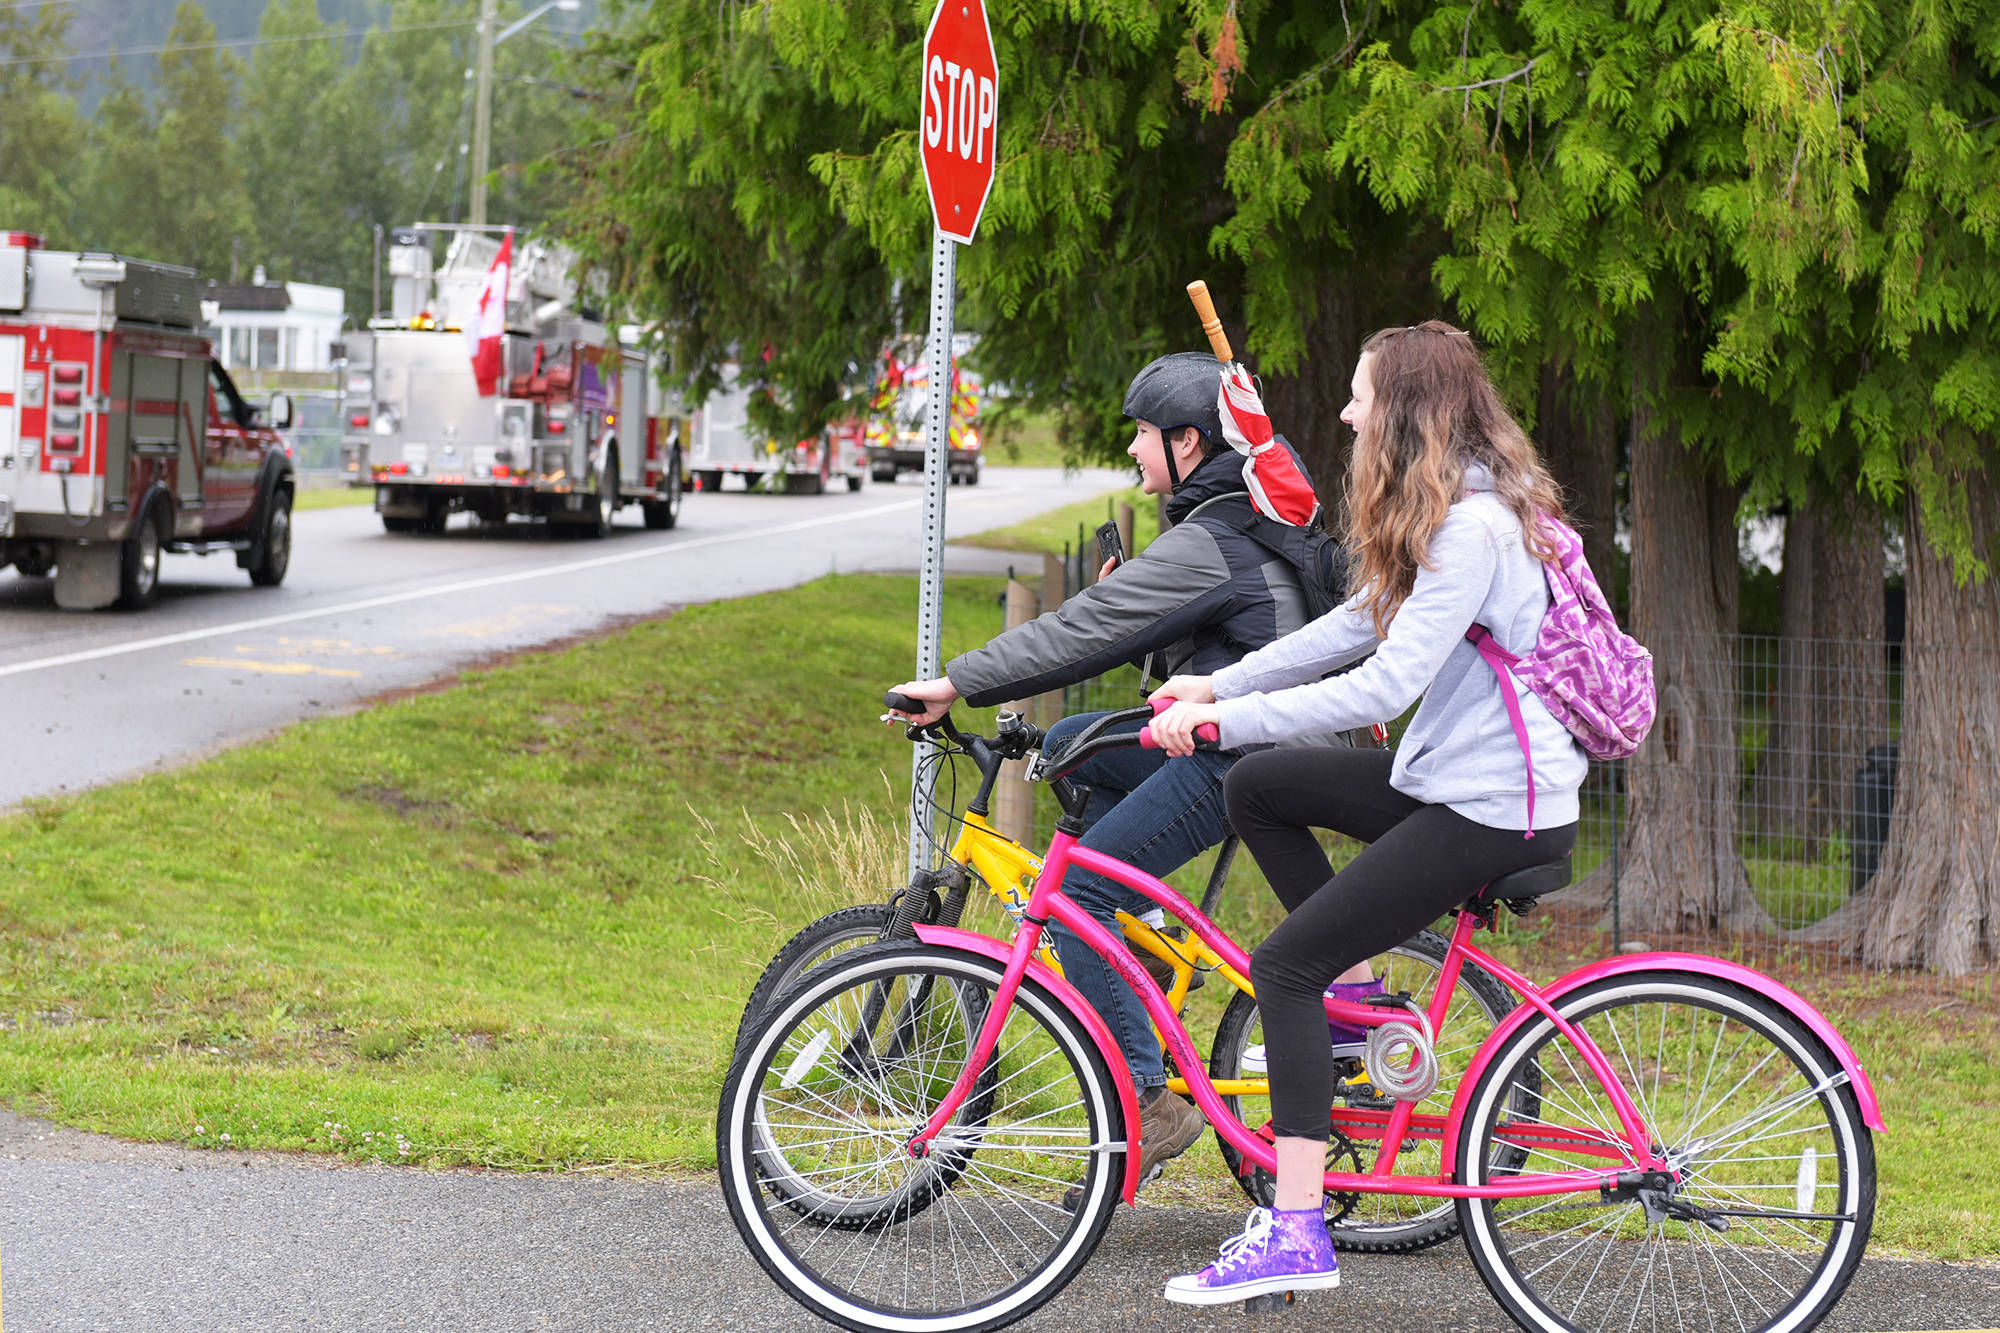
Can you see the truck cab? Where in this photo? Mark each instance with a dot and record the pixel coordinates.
(121, 437)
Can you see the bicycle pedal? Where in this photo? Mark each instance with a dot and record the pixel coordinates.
(1269, 1302)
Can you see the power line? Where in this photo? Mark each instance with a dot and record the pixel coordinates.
(30, 4)
(174, 48)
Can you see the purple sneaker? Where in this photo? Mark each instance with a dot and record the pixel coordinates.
(1278, 1251)
(1348, 1039)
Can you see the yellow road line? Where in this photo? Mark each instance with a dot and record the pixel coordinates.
(267, 668)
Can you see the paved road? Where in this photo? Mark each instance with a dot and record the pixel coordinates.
(100, 1234)
(97, 696)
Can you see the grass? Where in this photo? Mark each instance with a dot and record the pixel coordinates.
(1023, 439)
(1050, 531)
(511, 921)
(331, 497)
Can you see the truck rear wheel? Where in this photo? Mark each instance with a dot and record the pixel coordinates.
(276, 556)
(663, 514)
(139, 562)
(35, 561)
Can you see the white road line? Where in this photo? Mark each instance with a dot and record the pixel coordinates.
(441, 590)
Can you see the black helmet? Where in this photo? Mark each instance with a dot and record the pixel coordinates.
(1179, 390)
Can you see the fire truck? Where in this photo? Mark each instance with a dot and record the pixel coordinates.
(120, 435)
(901, 405)
(725, 442)
(574, 433)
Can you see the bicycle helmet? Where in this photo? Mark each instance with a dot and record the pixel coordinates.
(1176, 390)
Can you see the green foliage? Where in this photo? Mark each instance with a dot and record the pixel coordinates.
(41, 136)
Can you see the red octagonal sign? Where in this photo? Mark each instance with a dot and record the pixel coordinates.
(961, 115)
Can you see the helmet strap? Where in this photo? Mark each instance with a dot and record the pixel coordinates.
(1173, 473)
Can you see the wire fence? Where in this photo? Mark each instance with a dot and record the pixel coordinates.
(1760, 820)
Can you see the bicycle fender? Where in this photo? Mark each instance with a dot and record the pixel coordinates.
(1722, 969)
(1121, 1073)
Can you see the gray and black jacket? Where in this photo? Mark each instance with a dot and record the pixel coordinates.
(1202, 596)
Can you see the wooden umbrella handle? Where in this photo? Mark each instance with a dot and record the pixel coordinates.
(1212, 326)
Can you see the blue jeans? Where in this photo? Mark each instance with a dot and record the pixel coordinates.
(1153, 812)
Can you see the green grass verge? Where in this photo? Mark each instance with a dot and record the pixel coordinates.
(512, 921)
(1050, 531)
(331, 497)
(1023, 439)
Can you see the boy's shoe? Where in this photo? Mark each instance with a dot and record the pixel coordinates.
(1349, 1042)
(1168, 1127)
(1277, 1252)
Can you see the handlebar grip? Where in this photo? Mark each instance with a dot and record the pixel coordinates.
(1207, 731)
(903, 703)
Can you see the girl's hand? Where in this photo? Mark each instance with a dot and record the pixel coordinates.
(1174, 729)
(941, 694)
(1192, 689)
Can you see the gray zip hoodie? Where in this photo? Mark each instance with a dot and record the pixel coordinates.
(1460, 749)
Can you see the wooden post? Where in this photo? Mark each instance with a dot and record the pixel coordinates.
(1013, 799)
(1048, 707)
(1125, 526)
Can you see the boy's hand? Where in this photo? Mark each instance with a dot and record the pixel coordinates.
(1192, 689)
(1109, 565)
(941, 694)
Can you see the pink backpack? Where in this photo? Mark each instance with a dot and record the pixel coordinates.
(1595, 678)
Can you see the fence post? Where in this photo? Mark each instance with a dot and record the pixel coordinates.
(1013, 798)
(1047, 708)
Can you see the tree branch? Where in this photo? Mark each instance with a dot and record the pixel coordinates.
(1489, 83)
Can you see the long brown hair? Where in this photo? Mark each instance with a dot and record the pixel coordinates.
(1435, 412)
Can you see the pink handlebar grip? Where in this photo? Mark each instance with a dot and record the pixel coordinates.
(1207, 731)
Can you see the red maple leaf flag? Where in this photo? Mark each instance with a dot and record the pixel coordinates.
(482, 332)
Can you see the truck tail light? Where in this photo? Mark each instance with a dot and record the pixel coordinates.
(64, 443)
(69, 397)
(68, 374)
(358, 421)
(502, 471)
(558, 427)
(399, 469)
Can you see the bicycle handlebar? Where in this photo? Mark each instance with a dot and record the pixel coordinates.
(1207, 731)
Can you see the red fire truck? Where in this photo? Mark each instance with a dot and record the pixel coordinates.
(120, 436)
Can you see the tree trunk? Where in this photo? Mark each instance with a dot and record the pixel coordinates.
(1681, 870)
(1577, 433)
(1936, 901)
(1851, 682)
(1305, 406)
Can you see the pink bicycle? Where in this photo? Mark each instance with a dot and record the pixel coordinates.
(1656, 1140)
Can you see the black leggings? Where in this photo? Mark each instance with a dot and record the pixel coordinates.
(1421, 861)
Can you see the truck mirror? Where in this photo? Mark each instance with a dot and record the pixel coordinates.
(281, 410)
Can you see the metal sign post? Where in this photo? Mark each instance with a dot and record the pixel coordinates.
(959, 144)
(930, 581)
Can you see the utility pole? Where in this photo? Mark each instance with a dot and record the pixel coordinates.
(482, 110)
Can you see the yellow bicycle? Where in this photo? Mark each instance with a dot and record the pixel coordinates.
(1180, 963)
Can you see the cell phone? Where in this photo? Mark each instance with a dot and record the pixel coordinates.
(1110, 546)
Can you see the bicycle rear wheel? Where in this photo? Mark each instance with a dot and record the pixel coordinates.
(815, 942)
(973, 1236)
(1772, 1168)
(1379, 1223)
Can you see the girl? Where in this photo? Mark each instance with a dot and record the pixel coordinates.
(1442, 496)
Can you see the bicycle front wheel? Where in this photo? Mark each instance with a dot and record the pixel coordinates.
(825, 1093)
(1771, 1169)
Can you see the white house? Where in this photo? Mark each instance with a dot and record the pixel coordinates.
(275, 326)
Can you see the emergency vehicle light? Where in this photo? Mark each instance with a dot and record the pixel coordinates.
(69, 374)
(67, 442)
(558, 427)
(359, 421)
(502, 471)
(399, 469)
(69, 397)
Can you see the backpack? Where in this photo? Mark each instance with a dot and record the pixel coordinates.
(1315, 557)
(1592, 676)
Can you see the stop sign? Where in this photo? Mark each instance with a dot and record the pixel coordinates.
(960, 136)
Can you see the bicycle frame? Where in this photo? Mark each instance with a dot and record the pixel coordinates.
(1048, 903)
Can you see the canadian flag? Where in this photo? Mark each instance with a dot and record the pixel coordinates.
(482, 333)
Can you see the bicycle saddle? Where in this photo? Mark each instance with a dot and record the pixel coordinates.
(1524, 886)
